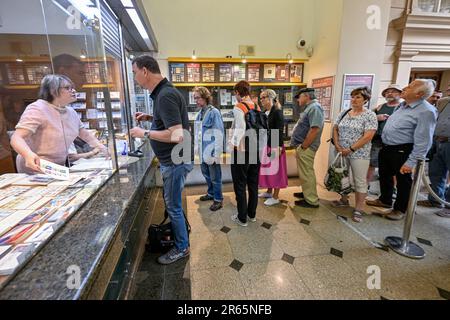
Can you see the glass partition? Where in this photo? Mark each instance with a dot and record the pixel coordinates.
(60, 37)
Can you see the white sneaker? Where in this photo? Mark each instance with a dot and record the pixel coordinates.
(265, 195)
(251, 219)
(235, 218)
(271, 202)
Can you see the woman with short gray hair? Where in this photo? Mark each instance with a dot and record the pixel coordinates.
(47, 128)
(273, 171)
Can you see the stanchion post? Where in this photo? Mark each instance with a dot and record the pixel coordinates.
(403, 246)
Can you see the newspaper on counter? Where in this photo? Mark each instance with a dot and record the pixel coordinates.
(9, 178)
(16, 256)
(38, 216)
(54, 170)
(18, 234)
(12, 220)
(42, 234)
(4, 249)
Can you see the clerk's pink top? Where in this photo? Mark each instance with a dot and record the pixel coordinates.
(53, 131)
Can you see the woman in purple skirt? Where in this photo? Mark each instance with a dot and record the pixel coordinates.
(273, 171)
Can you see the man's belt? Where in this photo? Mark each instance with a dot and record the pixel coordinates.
(441, 139)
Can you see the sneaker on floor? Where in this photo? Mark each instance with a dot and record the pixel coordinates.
(305, 204)
(235, 218)
(217, 205)
(443, 213)
(395, 215)
(265, 195)
(173, 255)
(206, 198)
(251, 219)
(271, 202)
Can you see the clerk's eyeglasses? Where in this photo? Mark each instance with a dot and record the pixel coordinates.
(68, 88)
(263, 97)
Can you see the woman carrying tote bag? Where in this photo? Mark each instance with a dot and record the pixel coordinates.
(352, 136)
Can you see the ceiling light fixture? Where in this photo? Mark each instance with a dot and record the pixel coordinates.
(289, 58)
(127, 3)
(194, 57)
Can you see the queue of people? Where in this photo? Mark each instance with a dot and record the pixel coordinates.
(392, 137)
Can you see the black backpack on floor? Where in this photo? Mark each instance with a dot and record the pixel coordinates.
(160, 236)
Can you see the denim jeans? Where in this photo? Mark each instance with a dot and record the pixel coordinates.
(213, 177)
(174, 177)
(438, 171)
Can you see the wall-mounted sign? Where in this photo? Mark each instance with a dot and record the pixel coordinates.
(324, 93)
(353, 81)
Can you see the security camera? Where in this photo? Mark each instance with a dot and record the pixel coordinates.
(301, 44)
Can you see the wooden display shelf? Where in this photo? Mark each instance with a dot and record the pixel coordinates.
(22, 86)
(232, 84)
(234, 60)
(97, 86)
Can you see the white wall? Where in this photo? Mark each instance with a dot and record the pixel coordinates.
(361, 49)
(216, 28)
(324, 63)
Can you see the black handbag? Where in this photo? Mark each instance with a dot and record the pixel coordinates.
(160, 236)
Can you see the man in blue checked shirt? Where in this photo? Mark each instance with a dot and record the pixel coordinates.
(407, 137)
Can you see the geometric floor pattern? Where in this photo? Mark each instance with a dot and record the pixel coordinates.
(293, 253)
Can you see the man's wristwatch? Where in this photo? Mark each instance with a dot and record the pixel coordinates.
(147, 134)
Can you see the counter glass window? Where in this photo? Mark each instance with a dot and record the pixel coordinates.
(76, 120)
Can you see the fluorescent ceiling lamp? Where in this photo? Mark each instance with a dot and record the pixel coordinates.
(86, 7)
(138, 23)
(127, 3)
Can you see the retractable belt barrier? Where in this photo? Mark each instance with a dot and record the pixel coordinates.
(403, 246)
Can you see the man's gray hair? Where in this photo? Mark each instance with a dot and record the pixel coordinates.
(51, 86)
(427, 87)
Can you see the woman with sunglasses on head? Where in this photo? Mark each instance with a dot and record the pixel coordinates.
(47, 128)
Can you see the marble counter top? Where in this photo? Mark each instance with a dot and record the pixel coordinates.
(66, 267)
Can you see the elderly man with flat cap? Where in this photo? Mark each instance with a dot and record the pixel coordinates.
(384, 111)
(306, 139)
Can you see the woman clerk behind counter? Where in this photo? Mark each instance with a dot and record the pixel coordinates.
(48, 127)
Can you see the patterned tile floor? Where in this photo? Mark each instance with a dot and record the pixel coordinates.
(296, 253)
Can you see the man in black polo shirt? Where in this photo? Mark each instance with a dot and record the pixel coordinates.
(170, 117)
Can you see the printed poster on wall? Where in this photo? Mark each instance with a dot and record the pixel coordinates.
(253, 72)
(353, 81)
(324, 93)
(282, 72)
(208, 71)
(269, 71)
(193, 72)
(238, 72)
(225, 72)
(296, 74)
(177, 72)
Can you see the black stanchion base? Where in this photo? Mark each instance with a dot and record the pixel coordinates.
(412, 250)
